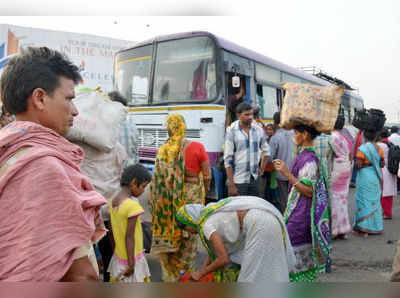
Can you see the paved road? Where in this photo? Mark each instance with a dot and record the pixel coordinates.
(354, 259)
(357, 259)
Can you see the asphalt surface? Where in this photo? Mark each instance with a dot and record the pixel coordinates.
(357, 259)
(353, 260)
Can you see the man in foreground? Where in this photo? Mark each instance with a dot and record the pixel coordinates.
(50, 212)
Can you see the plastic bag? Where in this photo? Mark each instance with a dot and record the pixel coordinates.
(99, 120)
(311, 105)
(186, 277)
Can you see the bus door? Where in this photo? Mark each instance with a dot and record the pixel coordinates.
(234, 95)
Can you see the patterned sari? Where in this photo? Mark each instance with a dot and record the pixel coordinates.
(227, 274)
(369, 218)
(255, 242)
(307, 219)
(341, 176)
(176, 249)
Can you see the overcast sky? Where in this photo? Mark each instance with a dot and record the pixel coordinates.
(356, 41)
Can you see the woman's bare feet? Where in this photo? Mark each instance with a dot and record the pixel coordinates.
(360, 234)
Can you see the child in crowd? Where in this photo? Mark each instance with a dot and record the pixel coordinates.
(128, 263)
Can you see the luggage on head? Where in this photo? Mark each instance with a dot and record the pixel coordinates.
(372, 119)
(311, 105)
(360, 119)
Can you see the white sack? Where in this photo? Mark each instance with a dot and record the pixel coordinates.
(99, 120)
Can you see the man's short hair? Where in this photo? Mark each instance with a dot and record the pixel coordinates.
(394, 129)
(34, 68)
(138, 172)
(116, 96)
(277, 118)
(244, 106)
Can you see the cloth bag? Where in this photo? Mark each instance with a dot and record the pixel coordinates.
(99, 120)
(311, 105)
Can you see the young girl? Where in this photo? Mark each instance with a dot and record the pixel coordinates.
(128, 263)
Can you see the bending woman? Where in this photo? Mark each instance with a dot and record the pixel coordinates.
(245, 237)
(307, 212)
(181, 176)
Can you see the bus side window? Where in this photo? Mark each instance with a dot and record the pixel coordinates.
(270, 101)
(260, 99)
(247, 90)
(259, 90)
(280, 94)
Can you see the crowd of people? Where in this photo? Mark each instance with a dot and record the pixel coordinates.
(288, 192)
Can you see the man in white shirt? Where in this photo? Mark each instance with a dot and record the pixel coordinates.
(245, 146)
(394, 137)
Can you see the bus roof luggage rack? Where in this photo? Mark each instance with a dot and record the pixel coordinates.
(315, 71)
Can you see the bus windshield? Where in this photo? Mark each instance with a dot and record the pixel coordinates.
(185, 71)
(132, 74)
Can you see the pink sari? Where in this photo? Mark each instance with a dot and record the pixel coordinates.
(341, 176)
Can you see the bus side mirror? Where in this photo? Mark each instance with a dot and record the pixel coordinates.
(236, 82)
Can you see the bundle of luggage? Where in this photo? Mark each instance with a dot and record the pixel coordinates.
(99, 120)
(311, 105)
(372, 119)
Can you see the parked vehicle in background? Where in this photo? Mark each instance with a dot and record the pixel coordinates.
(192, 74)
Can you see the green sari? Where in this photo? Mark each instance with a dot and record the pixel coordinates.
(227, 274)
(319, 213)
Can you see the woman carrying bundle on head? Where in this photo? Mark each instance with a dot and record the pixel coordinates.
(307, 212)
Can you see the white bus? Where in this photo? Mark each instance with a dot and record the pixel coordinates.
(189, 73)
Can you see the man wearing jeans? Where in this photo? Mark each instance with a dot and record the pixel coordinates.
(245, 143)
(281, 145)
